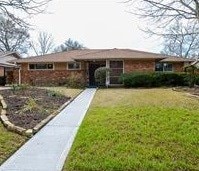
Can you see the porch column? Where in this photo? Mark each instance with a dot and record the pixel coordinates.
(19, 76)
(87, 72)
(107, 73)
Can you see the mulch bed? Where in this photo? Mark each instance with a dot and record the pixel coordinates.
(26, 108)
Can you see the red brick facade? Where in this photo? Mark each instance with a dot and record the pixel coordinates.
(148, 66)
(139, 66)
(178, 67)
(60, 74)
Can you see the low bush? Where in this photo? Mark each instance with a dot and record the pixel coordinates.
(18, 87)
(197, 80)
(100, 75)
(156, 79)
(75, 81)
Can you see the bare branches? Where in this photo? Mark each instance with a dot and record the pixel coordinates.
(13, 37)
(177, 21)
(28, 6)
(179, 42)
(44, 44)
(163, 13)
(160, 9)
(15, 9)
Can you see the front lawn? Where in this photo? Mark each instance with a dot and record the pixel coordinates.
(138, 129)
(9, 142)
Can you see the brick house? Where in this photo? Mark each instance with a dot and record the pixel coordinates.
(57, 67)
(7, 68)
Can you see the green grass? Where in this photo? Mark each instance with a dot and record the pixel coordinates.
(138, 129)
(9, 143)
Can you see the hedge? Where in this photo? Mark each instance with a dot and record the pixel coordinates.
(155, 79)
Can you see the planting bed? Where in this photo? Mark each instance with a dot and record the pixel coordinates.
(28, 107)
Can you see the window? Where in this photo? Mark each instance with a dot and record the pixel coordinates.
(116, 64)
(167, 67)
(74, 66)
(41, 66)
(116, 70)
(163, 66)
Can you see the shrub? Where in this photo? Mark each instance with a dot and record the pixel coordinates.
(53, 93)
(137, 80)
(197, 80)
(30, 105)
(75, 80)
(100, 75)
(168, 79)
(153, 79)
(191, 70)
(17, 87)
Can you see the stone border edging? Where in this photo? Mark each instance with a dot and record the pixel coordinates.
(28, 132)
(10, 126)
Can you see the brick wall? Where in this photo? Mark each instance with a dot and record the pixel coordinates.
(178, 67)
(58, 76)
(139, 66)
(15, 76)
(1, 71)
(147, 66)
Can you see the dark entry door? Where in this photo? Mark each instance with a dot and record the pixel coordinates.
(92, 68)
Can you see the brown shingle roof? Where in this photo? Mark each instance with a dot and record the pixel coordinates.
(5, 57)
(95, 54)
(176, 59)
(56, 57)
(119, 54)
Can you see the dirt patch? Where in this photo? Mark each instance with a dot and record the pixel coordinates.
(194, 91)
(26, 108)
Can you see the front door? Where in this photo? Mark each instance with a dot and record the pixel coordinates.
(92, 67)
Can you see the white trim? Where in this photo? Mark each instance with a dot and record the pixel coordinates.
(107, 73)
(41, 69)
(80, 66)
(20, 76)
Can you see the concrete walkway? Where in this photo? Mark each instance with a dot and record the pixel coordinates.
(48, 149)
(4, 87)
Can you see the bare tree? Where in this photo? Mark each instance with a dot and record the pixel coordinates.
(69, 45)
(179, 42)
(12, 36)
(29, 7)
(44, 44)
(164, 13)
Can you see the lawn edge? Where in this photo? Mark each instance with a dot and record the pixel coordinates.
(29, 132)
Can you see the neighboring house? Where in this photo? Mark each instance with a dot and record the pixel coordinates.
(7, 68)
(56, 68)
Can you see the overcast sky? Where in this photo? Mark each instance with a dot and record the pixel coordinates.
(95, 24)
